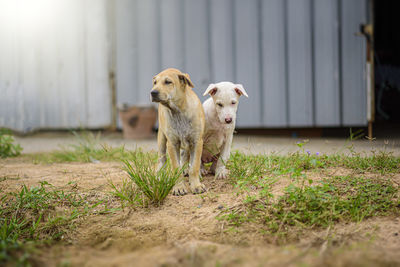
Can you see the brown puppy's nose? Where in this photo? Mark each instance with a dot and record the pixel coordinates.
(228, 120)
(155, 93)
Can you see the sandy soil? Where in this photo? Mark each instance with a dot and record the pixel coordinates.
(184, 231)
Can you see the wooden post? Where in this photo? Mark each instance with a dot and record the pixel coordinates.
(368, 31)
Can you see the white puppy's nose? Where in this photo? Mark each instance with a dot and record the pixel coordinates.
(228, 120)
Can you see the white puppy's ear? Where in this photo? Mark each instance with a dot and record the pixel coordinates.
(240, 90)
(211, 89)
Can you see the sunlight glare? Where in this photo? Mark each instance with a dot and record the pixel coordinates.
(31, 16)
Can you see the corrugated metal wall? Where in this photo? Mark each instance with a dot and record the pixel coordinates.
(54, 64)
(299, 60)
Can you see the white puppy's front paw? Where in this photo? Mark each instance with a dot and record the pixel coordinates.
(203, 171)
(221, 173)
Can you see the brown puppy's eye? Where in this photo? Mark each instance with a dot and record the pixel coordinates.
(167, 82)
(154, 82)
(220, 105)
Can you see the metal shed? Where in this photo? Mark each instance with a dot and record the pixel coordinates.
(299, 60)
(54, 64)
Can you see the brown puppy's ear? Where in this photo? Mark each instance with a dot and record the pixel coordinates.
(185, 79)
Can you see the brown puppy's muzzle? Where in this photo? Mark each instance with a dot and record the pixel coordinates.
(155, 95)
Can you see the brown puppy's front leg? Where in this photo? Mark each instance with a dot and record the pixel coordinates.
(174, 155)
(185, 160)
(194, 171)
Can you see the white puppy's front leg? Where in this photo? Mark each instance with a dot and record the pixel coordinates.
(203, 170)
(221, 172)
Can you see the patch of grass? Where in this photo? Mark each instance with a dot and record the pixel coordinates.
(379, 162)
(257, 171)
(5, 178)
(146, 185)
(87, 149)
(250, 169)
(35, 216)
(88, 154)
(341, 198)
(305, 205)
(7, 146)
(297, 161)
(247, 170)
(128, 193)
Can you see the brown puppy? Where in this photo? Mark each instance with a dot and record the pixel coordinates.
(181, 125)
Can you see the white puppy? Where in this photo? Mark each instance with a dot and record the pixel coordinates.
(220, 114)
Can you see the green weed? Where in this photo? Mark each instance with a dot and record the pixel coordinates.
(155, 185)
(7, 146)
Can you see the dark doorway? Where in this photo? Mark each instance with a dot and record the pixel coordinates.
(387, 63)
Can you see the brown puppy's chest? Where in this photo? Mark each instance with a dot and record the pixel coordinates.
(180, 128)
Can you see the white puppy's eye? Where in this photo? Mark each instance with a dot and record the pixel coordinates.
(233, 102)
(220, 105)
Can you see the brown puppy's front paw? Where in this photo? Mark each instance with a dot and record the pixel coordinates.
(221, 173)
(179, 190)
(198, 188)
(159, 166)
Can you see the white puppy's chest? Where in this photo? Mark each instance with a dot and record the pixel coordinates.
(214, 139)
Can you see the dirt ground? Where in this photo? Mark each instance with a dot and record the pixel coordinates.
(185, 230)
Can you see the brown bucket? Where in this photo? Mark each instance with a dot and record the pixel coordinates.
(138, 122)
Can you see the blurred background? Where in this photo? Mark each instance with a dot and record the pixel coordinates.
(306, 64)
